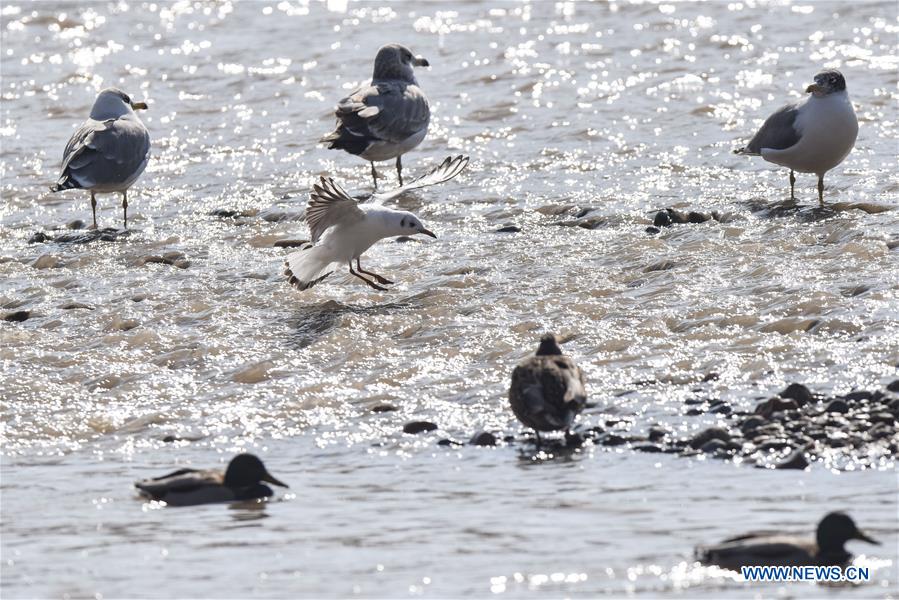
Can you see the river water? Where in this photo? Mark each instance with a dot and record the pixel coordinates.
(591, 114)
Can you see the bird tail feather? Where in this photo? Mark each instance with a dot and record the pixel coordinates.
(304, 267)
(64, 183)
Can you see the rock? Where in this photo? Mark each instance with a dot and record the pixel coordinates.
(612, 439)
(449, 442)
(653, 229)
(74, 305)
(773, 405)
(39, 238)
(382, 408)
(713, 446)
(290, 243)
(712, 433)
(710, 377)
(508, 228)
(697, 217)
(894, 406)
(47, 261)
(837, 406)
(720, 408)
(653, 448)
(859, 396)
(797, 460)
(483, 438)
(225, 213)
(797, 392)
(894, 386)
(416, 427)
(17, 316)
(76, 224)
(881, 431)
(662, 218)
(751, 423)
(694, 412)
(883, 417)
(773, 444)
(656, 433)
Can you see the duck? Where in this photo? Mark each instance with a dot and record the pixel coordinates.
(548, 389)
(768, 548)
(242, 480)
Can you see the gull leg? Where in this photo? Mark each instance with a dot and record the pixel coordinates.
(371, 283)
(374, 175)
(125, 207)
(377, 277)
(792, 182)
(94, 208)
(539, 441)
(821, 189)
(399, 169)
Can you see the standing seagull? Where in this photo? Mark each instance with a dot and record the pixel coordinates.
(812, 136)
(342, 229)
(108, 152)
(548, 390)
(387, 117)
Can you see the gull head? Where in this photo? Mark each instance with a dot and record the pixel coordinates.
(395, 61)
(405, 223)
(828, 81)
(113, 103)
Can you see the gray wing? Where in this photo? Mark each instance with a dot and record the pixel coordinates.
(329, 205)
(104, 152)
(387, 110)
(778, 132)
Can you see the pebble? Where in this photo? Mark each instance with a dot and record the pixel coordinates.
(611, 439)
(797, 460)
(713, 446)
(483, 438)
(508, 228)
(799, 393)
(712, 433)
(290, 243)
(17, 316)
(415, 427)
(752, 423)
(449, 442)
(894, 386)
(653, 448)
(74, 305)
(656, 433)
(47, 261)
(837, 406)
(382, 408)
(773, 405)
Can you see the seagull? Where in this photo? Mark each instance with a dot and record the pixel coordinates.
(387, 117)
(812, 136)
(342, 229)
(548, 389)
(187, 487)
(108, 152)
(779, 549)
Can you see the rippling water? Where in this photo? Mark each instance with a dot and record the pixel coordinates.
(593, 115)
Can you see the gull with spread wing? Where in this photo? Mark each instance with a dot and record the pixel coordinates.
(342, 230)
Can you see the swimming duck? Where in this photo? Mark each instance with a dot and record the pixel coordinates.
(548, 389)
(187, 487)
(778, 549)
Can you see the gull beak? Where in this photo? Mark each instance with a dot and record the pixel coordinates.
(139, 105)
(270, 479)
(814, 89)
(420, 61)
(859, 535)
(428, 232)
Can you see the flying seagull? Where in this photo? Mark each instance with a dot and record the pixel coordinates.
(108, 152)
(548, 389)
(811, 136)
(387, 117)
(342, 229)
(780, 549)
(186, 487)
